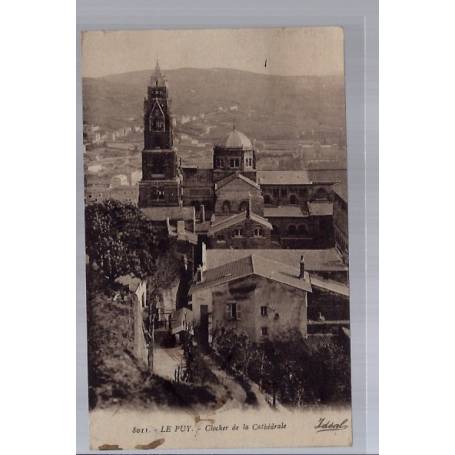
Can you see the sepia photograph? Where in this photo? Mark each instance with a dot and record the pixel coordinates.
(216, 238)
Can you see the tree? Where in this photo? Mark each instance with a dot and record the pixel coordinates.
(120, 240)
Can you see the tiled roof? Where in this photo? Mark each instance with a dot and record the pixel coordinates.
(331, 286)
(284, 211)
(341, 190)
(327, 260)
(173, 213)
(232, 177)
(283, 177)
(320, 208)
(236, 219)
(254, 265)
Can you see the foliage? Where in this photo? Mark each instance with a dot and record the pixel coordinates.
(197, 370)
(295, 370)
(120, 240)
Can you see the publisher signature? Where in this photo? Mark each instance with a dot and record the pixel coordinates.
(327, 425)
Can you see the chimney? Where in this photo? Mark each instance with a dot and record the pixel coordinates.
(203, 213)
(302, 267)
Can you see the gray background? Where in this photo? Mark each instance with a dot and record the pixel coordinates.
(359, 19)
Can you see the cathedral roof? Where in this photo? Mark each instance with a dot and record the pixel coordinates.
(237, 139)
(234, 176)
(236, 219)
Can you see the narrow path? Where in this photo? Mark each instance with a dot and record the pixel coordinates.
(238, 394)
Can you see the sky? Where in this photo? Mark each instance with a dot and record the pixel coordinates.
(289, 51)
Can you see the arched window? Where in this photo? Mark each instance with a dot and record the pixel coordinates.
(267, 199)
(292, 230)
(226, 207)
(243, 206)
(293, 199)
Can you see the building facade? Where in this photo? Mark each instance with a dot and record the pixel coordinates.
(252, 295)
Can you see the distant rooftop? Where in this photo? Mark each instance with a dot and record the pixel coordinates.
(173, 213)
(320, 208)
(285, 211)
(341, 189)
(283, 177)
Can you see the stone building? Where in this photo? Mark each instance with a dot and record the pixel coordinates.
(161, 183)
(242, 230)
(254, 295)
(233, 193)
(236, 155)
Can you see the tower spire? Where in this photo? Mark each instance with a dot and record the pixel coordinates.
(157, 77)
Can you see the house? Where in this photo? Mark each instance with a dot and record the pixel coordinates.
(255, 295)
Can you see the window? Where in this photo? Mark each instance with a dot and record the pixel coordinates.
(158, 195)
(234, 162)
(238, 232)
(293, 199)
(233, 311)
(276, 193)
(284, 192)
(264, 331)
(263, 311)
(220, 238)
(249, 162)
(258, 232)
(267, 199)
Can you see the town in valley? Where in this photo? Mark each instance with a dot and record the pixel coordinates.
(216, 242)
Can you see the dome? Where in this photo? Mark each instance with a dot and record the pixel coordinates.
(236, 139)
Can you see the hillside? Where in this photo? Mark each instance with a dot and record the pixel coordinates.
(265, 107)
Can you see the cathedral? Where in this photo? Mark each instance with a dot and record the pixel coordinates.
(233, 205)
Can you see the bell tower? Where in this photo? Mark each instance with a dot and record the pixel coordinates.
(161, 183)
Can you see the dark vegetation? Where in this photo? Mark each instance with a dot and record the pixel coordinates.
(119, 240)
(294, 370)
